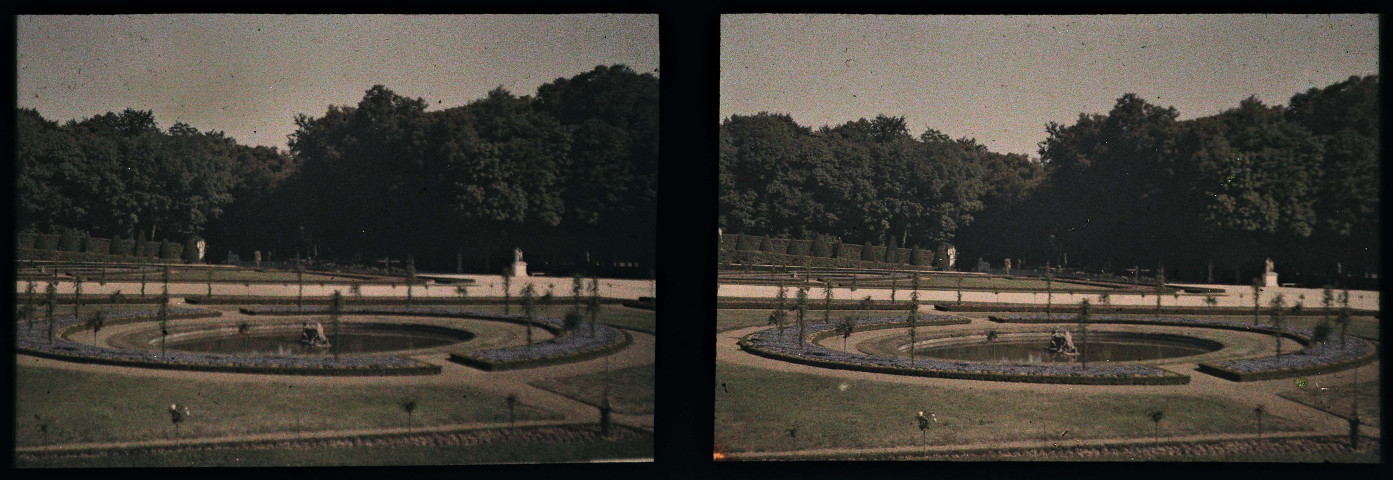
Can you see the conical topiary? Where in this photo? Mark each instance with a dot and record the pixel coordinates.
(819, 248)
(868, 252)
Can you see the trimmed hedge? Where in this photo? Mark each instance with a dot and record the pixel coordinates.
(69, 242)
(725, 257)
(26, 240)
(61, 256)
(765, 245)
(170, 250)
(122, 246)
(46, 241)
(819, 248)
(96, 245)
(799, 248)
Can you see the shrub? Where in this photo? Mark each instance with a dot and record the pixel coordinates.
(729, 241)
(840, 250)
(798, 247)
(70, 242)
(820, 248)
(572, 320)
(746, 243)
(892, 251)
(765, 245)
(27, 240)
(46, 241)
(100, 246)
(866, 253)
(169, 250)
(916, 256)
(141, 244)
(122, 246)
(190, 252)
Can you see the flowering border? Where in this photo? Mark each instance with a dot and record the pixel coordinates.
(1334, 354)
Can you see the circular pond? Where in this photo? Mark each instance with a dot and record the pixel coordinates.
(285, 339)
(1033, 348)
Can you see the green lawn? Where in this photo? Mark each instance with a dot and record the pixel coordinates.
(631, 389)
(94, 407)
(757, 408)
(636, 445)
(1339, 400)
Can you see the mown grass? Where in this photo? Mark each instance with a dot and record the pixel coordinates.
(630, 389)
(1339, 400)
(493, 452)
(102, 407)
(757, 408)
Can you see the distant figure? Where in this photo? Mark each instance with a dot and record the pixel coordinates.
(175, 415)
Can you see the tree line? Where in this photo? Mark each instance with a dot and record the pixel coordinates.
(1298, 183)
(568, 175)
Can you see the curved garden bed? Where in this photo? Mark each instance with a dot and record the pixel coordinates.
(778, 345)
(1335, 354)
(33, 341)
(567, 346)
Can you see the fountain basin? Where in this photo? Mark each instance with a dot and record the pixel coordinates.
(1030, 348)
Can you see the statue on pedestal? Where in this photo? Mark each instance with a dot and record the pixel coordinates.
(519, 267)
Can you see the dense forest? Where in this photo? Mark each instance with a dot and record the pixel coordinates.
(1133, 187)
(568, 175)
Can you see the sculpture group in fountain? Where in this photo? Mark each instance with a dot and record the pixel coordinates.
(1063, 343)
(313, 335)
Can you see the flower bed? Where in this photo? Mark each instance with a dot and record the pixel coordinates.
(814, 304)
(1335, 354)
(772, 343)
(33, 341)
(1059, 308)
(565, 347)
(372, 300)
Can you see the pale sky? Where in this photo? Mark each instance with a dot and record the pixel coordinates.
(1001, 79)
(249, 75)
